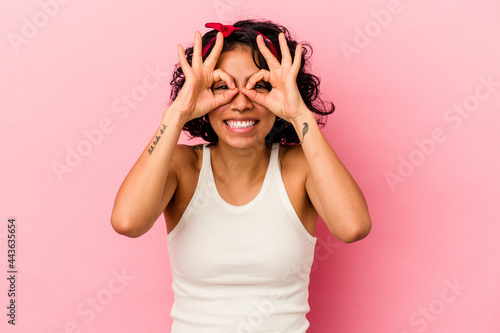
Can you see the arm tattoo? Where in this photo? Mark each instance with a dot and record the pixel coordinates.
(158, 137)
(304, 130)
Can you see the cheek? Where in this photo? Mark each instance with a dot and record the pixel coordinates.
(214, 123)
(269, 123)
(214, 116)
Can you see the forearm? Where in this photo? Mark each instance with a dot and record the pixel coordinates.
(342, 204)
(138, 201)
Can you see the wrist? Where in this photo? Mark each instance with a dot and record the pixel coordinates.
(304, 121)
(306, 116)
(175, 116)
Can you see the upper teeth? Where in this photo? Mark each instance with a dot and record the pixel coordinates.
(240, 124)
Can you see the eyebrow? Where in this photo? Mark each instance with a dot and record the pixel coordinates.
(246, 79)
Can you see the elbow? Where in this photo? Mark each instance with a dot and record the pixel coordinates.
(356, 230)
(357, 234)
(125, 227)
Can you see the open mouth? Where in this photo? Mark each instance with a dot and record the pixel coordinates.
(240, 124)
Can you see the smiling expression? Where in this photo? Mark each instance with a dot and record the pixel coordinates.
(240, 123)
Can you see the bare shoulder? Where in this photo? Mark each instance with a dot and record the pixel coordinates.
(187, 158)
(293, 164)
(294, 172)
(292, 157)
(186, 165)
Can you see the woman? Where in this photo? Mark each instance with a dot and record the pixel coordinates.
(241, 212)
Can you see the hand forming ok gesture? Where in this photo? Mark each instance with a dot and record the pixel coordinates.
(196, 98)
(284, 99)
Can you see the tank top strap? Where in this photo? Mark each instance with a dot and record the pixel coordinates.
(279, 187)
(205, 178)
(205, 162)
(274, 159)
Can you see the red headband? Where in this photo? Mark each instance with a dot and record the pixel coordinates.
(228, 30)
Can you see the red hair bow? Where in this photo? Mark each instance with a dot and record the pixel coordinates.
(228, 30)
(225, 29)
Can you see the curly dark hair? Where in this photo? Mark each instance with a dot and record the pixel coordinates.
(308, 84)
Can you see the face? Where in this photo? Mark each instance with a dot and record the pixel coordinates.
(241, 123)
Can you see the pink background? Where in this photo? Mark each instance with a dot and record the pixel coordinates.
(398, 72)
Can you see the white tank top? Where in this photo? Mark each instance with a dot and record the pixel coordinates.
(240, 269)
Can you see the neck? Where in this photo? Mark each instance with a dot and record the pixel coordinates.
(230, 162)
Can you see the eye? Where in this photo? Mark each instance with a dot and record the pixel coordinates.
(262, 86)
(220, 87)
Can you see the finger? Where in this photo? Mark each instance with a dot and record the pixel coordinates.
(221, 75)
(186, 69)
(271, 60)
(254, 96)
(225, 98)
(212, 59)
(286, 58)
(297, 60)
(197, 60)
(258, 76)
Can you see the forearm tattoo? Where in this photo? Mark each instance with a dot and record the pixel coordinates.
(304, 130)
(158, 137)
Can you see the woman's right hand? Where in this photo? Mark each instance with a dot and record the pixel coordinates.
(196, 97)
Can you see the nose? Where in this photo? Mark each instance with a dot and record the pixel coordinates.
(241, 103)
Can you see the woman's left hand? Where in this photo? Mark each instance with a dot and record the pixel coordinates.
(284, 99)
